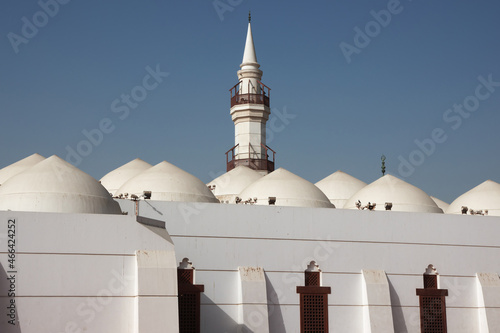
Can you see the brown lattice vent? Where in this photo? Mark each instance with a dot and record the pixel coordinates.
(314, 308)
(188, 299)
(430, 281)
(432, 304)
(313, 302)
(185, 276)
(188, 312)
(433, 313)
(312, 278)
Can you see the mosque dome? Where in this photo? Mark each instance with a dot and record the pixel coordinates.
(116, 178)
(485, 196)
(168, 183)
(54, 185)
(440, 203)
(403, 196)
(286, 189)
(339, 187)
(19, 166)
(229, 185)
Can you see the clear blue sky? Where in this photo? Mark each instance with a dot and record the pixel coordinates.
(395, 90)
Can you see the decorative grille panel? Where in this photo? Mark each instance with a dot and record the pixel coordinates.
(430, 281)
(314, 309)
(433, 314)
(185, 276)
(188, 312)
(312, 278)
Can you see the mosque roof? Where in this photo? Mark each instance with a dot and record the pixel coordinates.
(54, 185)
(288, 189)
(403, 196)
(167, 183)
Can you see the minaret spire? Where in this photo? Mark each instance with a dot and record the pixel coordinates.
(249, 55)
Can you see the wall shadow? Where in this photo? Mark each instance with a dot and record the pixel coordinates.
(276, 322)
(398, 318)
(214, 319)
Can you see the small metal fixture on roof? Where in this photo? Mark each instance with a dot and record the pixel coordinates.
(249, 16)
(464, 210)
(272, 200)
(238, 200)
(147, 195)
(478, 212)
(369, 205)
(383, 164)
(388, 205)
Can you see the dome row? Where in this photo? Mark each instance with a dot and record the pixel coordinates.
(53, 185)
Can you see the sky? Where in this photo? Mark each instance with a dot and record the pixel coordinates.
(100, 83)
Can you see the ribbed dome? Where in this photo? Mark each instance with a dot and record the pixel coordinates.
(116, 178)
(403, 196)
(228, 186)
(19, 166)
(440, 203)
(288, 189)
(168, 183)
(339, 187)
(54, 185)
(484, 196)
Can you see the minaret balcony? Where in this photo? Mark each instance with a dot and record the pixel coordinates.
(262, 97)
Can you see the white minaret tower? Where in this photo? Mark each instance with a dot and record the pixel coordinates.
(250, 111)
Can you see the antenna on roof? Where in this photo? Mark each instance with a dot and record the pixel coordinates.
(383, 164)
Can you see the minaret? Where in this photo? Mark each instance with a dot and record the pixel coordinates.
(250, 111)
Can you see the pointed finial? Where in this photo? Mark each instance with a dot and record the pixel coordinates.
(249, 16)
(383, 164)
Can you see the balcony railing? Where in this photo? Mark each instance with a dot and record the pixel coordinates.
(250, 98)
(232, 160)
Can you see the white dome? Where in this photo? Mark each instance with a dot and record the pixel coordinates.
(19, 166)
(482, 197)
(168, 183)
(54, 185)
(288, 189)
(440, 203)
(116, 178)
(228, 186)
(339, 187)
(403, 196)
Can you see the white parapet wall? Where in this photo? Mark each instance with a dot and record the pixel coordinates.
(284, 240)
(66, 273)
